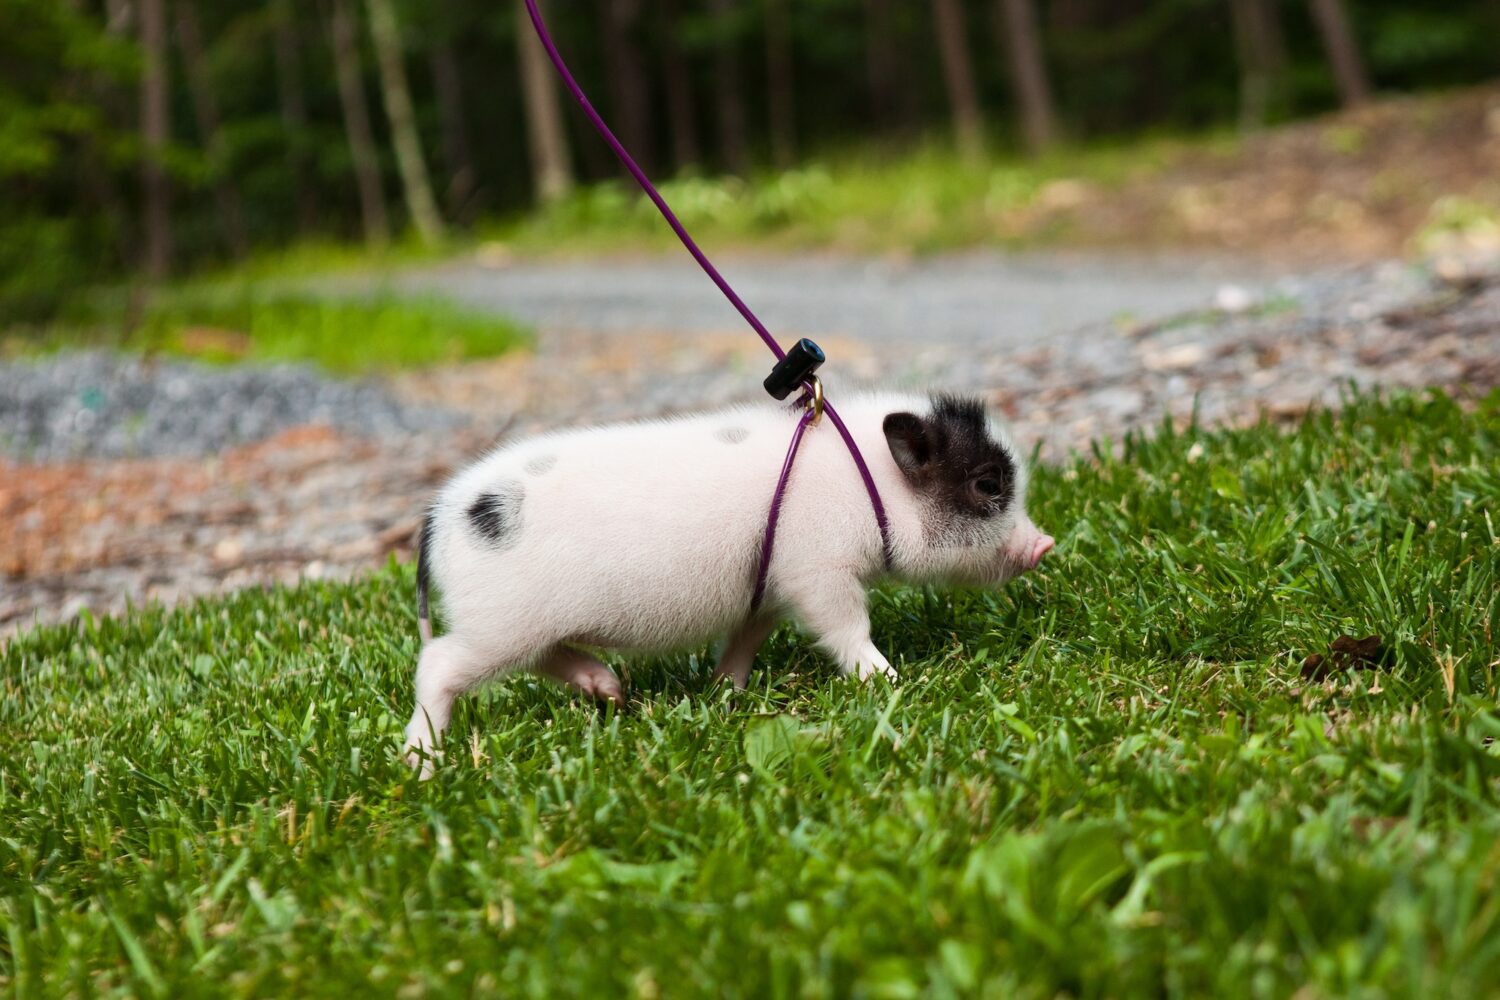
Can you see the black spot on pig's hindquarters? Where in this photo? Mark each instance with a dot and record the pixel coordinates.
(496, 515)
(424, 559)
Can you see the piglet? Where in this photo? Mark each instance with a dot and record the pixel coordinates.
(647, 537)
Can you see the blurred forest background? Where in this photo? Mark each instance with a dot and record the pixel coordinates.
(159, 137)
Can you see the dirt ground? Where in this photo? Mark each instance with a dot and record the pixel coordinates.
(1356, 186)
(309, 502)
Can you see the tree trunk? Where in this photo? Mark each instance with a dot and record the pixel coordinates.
(1268, 16)
(1028, 72)
(463, 178)
(98, 180)
(686, 151)
(781, 91)
(206, 111)
(630, 92)
(734, 142)
(890, 98)
(551, 175)
(294, 113)
(1255, 81)
(1343, 52)
(117, 17)
(1261, 52)
(416, 185)
(155, 134)
(958, 79)
(357, 125)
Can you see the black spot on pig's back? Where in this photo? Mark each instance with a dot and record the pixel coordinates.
(495, 515)
(731, 435)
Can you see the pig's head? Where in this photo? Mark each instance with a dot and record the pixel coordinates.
(969, 484)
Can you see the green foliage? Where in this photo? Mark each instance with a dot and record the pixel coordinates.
(1109, 779)
(70, 154)
(923, 199)
(56, 66)
(1455, 219)
(219, 323)
(1410, 42)
(342, 335)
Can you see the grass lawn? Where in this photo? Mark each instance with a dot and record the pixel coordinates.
(865, 200)
(1108, 779)
(246, 321)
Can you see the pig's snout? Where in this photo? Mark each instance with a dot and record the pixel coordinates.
(1027, 551)
(1039, 548)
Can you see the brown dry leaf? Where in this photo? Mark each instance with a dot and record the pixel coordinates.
(214, 340)
(1370, 827)
(1446, 665)
(1347, 653)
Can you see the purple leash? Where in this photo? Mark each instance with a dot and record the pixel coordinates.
(769, 540)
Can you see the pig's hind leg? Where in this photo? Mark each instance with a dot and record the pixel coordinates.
(739, 649)
(449, 667)
(586, 673)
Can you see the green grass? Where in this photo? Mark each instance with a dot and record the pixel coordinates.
(1107, 779)
(254, 322)
(923, 200)
(326, 255)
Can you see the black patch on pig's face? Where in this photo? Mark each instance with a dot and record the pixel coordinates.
(496, 514)
(541, 464)
(949, 458)
(731, 435)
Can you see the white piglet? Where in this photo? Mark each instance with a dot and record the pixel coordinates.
(647, 537)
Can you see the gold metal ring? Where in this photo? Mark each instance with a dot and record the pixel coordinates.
(816, 403)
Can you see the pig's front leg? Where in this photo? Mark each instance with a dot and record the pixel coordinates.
(832, 606)
(739, 649)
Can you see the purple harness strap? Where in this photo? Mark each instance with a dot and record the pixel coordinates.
(768, 542)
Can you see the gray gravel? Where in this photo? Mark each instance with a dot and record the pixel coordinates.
(965, 322)
(94, 404)
(1228, 349)
(1007, 300)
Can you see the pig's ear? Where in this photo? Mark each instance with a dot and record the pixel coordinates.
(911, 442)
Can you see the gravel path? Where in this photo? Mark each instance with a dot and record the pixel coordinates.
(95, 404)
(1231, 350)
(335, 487)
(1006, 300)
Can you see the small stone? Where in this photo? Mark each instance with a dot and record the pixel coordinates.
(1119, 401)
(1175, 358)
(494, 254)
(1233, 299)
(228, 550)
(1062, 194)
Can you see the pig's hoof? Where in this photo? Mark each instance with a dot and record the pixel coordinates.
(867, 671)
(729, 675)
(422, 756)
(602, 686)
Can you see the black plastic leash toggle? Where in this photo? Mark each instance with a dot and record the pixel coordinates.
(797, 367)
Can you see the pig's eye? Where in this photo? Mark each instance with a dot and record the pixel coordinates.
(988, 485)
